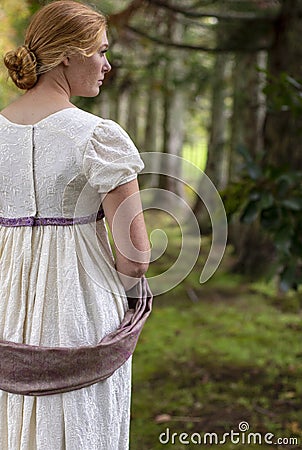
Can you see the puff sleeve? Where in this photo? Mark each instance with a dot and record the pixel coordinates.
(110, 158)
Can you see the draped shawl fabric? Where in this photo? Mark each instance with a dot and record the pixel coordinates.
(36, 370)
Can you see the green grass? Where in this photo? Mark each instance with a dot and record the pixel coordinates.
(233, 355)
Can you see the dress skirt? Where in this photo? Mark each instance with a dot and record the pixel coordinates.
(58, 288)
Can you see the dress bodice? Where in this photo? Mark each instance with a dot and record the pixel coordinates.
(61, 166)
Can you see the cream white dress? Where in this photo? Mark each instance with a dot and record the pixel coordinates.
(58, 286)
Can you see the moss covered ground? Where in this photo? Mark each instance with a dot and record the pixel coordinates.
(214, 356)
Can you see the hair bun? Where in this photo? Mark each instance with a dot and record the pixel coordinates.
(21, 65)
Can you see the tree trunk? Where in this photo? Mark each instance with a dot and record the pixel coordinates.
(248, 109)
(217, 157)
(150, 140)
(282, 128)
(215, 168)
(174, 100)
(133, 114)
(252, 248)
(103, 107)
(114, 102)
(152, 131)
(282, 131)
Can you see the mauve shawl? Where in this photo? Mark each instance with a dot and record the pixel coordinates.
(35, 370)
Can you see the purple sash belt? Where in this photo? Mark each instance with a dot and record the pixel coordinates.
(42, 221)
(35, 370)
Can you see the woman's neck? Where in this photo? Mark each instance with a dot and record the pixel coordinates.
(51, 87)
(50, 94)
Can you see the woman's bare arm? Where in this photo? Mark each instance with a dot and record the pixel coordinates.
(123, 211)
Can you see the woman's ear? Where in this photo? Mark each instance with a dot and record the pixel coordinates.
(66, 61)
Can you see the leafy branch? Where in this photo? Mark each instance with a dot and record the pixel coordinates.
(272, 196)
(213, 14)
(203, 48)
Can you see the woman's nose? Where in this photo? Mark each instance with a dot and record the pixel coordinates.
(107, 66)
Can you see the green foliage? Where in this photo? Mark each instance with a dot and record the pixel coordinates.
(14, 15)
(284, 93)
(272, 196)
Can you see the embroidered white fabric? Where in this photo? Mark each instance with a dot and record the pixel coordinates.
(58, 285)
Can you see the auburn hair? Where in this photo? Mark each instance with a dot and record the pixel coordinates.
(59, 29)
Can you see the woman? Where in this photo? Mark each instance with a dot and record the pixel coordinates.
(59, 284)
